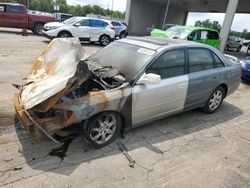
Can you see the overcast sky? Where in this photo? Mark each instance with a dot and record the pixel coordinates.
(241, 21)
(118, 4)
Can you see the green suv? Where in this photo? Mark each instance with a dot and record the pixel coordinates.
(197, 34)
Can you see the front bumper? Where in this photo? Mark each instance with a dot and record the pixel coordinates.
(45, 34)
(28, 120)
(21, 114)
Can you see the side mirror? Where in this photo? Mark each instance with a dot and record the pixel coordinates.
(77, 24)
(149, 79)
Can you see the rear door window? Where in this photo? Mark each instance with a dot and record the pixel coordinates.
(200, 60)
(14, 9)
(98, 23)
(218, 62)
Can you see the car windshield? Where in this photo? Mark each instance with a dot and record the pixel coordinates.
(128, 58)
(180, 33)
(72, 20)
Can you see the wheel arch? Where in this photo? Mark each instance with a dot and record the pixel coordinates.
(64, 31)
(225, 87)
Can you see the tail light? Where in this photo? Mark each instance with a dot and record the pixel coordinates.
(112, 27)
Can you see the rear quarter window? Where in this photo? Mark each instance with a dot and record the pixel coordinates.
(213, 35)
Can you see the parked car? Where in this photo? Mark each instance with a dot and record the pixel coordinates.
(197, 34)
(86, 29)
(17, 16)
(234, 43)
(121, 30)
(60, 17)
(144, 79)
(245, 75)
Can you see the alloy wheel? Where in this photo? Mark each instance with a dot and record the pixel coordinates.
(103, 129)
(215, 100)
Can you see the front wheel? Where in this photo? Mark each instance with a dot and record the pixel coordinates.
(104, 40)
(103, 128)
(214, 101)
(64, 34)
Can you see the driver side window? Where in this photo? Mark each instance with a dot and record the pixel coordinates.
(169, 64)
(84, 22)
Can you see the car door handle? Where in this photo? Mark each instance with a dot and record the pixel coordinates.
(181, 85)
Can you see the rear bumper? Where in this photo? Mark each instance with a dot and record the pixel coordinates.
(245, 75)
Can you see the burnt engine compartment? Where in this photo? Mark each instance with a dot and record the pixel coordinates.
(88, 77)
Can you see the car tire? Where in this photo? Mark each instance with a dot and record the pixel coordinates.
(64, 34)
(122, 35)
(215, 100)
(104, 40)
(103, 128)
(38, 28)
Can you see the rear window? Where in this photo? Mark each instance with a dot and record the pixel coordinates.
(15, 9)
(115, 23)
(98, 23)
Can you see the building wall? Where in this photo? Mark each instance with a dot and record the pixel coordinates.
(141, 14)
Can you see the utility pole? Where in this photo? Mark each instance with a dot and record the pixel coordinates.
(166, 13)
(112, 5)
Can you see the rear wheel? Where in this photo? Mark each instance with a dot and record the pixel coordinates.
(215, 100)
(103, 128)
(38, 28)
(104, 40)
(122, 35)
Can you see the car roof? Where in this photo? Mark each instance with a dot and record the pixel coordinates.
(14, 4)
(155, 43)
(195, 28)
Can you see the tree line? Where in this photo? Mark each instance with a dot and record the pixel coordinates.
(78, 10)
(215, 25)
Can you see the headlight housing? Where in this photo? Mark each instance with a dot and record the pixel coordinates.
(243, 64)
(50, 27)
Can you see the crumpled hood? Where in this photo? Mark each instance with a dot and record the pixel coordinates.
(52, 71)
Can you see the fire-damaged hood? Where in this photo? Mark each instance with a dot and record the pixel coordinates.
(52, 71)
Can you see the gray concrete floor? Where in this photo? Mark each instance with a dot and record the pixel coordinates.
(188, 150)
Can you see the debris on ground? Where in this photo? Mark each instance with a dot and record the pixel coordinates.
(122, 148)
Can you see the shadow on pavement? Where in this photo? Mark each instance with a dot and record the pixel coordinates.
(16, 32)
(159, 132)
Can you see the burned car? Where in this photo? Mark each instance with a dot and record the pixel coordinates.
(131, 82)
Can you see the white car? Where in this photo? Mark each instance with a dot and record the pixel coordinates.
(86, 29)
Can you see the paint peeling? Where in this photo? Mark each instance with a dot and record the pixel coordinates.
(62, 90)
